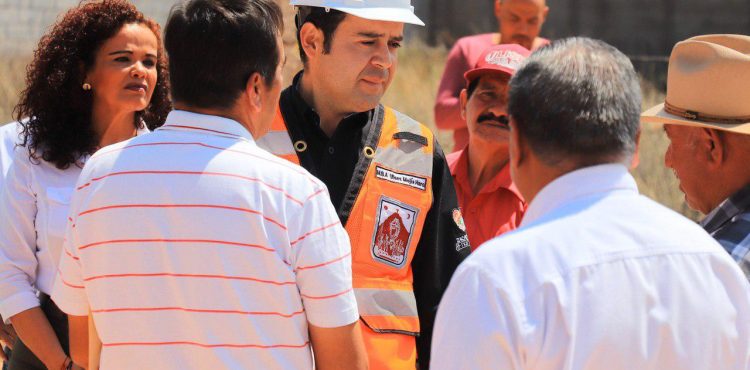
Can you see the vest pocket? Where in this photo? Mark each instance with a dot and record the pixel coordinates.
(388, 310)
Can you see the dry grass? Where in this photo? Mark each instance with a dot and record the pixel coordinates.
(413, 92)
(12, 74)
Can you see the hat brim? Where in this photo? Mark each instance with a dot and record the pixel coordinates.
(474, 73)
(657, 114)
(384, 14)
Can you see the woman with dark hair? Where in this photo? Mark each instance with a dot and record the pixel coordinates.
(98, 77)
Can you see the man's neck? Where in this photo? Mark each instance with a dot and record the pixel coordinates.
(234, 113)
(329, 116)
(486, 160)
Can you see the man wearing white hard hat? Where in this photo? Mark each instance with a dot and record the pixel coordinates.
(707, 119)
(386, 174)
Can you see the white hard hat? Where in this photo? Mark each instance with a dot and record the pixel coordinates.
(379, 10)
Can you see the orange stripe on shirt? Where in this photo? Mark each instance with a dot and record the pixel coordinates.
(327, 296)
(204, 345)
(207, 241)
(314, 231)
(275, 160)
(196, 310)
(324, 263)
(119, 206)
(191, 173)
(196, 276)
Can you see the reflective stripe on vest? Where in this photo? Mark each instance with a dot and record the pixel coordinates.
(399, 176)
(277, 140)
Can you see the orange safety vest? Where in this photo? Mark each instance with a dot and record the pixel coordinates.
(384, 226)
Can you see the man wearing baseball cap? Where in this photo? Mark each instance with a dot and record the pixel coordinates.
(385, 173)
(490, 202)
(706, 116)
(519, 22)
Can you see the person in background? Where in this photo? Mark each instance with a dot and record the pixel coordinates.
(519, 22)
(193, 248)
(709, 134)
(98, 77)
(386, 173)
(597, 276)
(491, 203)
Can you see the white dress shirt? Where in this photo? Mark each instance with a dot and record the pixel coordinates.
(8, 139)
(34, 211)
(597, 277)
(195, 249)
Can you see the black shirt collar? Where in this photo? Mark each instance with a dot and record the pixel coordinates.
(309, 114)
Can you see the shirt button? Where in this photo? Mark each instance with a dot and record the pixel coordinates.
(330, 150)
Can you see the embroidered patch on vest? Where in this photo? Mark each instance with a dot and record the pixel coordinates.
(393, 231)
(401, 178)
(462, 243)
(459, 219)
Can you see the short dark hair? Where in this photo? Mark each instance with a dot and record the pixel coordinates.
(214, 46)
(579, 99)
(326, 20)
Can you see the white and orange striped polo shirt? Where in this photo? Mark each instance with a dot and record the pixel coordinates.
(195, 249)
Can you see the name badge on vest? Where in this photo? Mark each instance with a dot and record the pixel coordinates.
(393, 231)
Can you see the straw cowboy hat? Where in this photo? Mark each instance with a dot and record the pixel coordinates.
(708, 84)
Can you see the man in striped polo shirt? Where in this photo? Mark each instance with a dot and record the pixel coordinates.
(191, 247)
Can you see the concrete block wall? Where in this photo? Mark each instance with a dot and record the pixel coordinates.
(635, 26)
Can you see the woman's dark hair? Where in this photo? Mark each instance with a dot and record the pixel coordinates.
(215, 46)
(59, 128)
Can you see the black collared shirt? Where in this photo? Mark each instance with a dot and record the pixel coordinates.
(442, 245)
(332, 160)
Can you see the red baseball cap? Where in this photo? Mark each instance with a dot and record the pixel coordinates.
(505, 58)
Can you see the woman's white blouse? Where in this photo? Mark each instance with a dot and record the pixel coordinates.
(33, 215)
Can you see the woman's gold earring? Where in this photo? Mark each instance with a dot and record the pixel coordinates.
(86, 86)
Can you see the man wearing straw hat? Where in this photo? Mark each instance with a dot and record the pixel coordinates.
(707, 119)
(597, 276)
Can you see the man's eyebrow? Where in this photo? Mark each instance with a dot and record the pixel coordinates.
(373, 35)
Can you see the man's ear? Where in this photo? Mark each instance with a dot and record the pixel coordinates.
(254, 90)
(498, 7)
(636, 160)
(544, 14)
(715, 144)
(311, 38)
(462, 100)
(517, 146)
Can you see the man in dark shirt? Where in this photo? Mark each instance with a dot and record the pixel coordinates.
(386, 173)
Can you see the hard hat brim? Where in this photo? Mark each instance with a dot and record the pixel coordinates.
(402, 15)
(384, 14)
